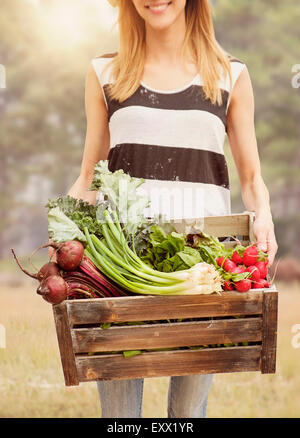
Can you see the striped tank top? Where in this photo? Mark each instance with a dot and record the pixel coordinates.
(174, 140)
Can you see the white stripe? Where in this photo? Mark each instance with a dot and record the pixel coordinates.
(193, 129)
(103, 76)
(179, 199)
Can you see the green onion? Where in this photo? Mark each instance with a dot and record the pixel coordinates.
(113, 256)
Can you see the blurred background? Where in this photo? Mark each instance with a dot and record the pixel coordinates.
(45, 50)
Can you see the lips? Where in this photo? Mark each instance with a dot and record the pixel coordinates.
(158, 7)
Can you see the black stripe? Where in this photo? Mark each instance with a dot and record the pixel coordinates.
(192, 98)
(236, 60)
(169, 163)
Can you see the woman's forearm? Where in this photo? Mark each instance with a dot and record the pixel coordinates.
(80, 189)
(256, 197)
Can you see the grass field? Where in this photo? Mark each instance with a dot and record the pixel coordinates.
(32, 385)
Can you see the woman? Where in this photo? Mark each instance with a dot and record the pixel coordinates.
(160, 109)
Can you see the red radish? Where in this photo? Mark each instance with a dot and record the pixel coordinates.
(238, 270)
(46, 270)
(53, 289)
(243, 285)
(229, 265)
(263, 268)
(265, 283)
(255, 273)
(220, 260)
(236, 258)
(250, 256)
(228, 286)
(258, 284)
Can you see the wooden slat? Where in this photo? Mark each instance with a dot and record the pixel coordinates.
(251, 223)
(146, 308)
(166, 335)
(218, 226)
(232, 244)
(224, 226)
(65, 344)
(169, 363)
(269, 332)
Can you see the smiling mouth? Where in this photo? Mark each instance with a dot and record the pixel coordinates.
(160, 7)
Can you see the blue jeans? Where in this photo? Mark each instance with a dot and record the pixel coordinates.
(187, 397)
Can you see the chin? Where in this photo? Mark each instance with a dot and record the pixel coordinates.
(160, 24)
(164, 20)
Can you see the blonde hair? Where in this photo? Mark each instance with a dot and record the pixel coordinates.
(128, 63)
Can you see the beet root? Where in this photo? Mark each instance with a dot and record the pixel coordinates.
(53, 289)
(69, 255)
(48, 269)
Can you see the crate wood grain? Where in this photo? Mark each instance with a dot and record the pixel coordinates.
(144, 308)
(167, 335)
(169, 363)
(88, 352)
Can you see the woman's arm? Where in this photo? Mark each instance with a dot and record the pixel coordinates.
(243, 143)
(96, 142)
(97, 138)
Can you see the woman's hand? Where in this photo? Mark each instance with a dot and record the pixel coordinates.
(263, 229)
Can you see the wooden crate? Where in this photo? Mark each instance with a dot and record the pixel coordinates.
(88, 351)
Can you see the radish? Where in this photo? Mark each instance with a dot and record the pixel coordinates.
(258, 284)
(46, 270)
(238, 270)
(220, 260)
(243, 285)
(53, 289)
(263, 268)
(250, 256)
(228, 285)
(236, 258)
(265, 283)
(255, 273)
(229, 265)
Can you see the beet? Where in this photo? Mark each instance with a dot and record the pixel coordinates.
(69, 255)
(48, 269)
(53, 289)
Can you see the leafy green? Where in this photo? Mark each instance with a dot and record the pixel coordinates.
(168, 252)
(80, 212)
(61, 228)
(130, 353)
(120, 191)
